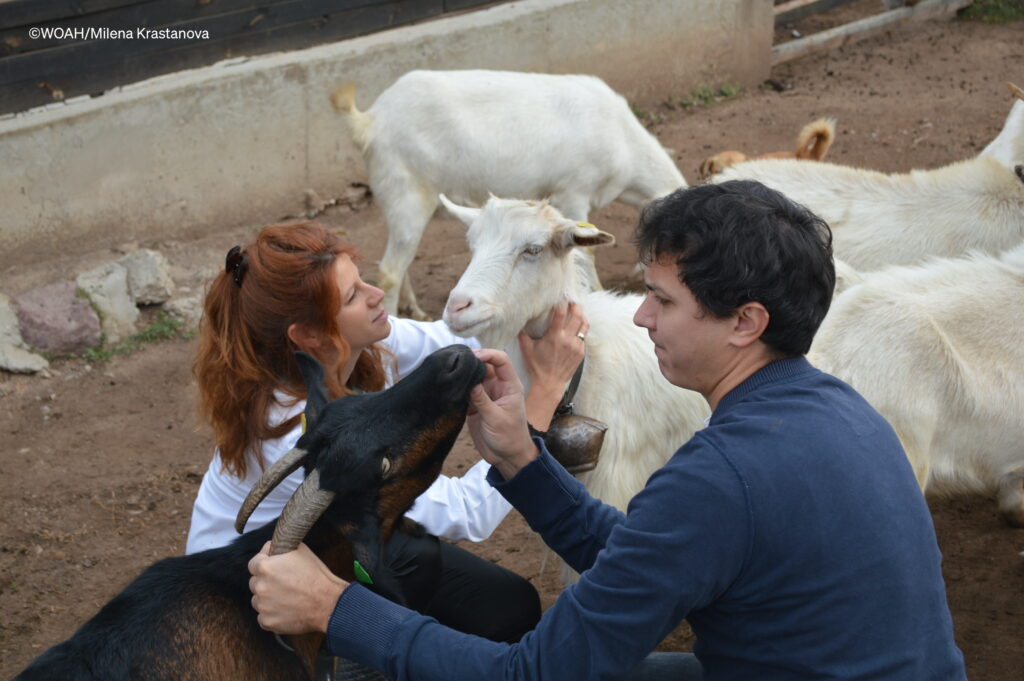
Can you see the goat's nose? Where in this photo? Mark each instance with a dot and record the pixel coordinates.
(458, 304)
(453, 362)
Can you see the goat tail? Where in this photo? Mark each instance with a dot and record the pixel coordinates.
(815, 139)
(343, 100)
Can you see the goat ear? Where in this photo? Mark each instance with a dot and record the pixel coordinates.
(313, 377)
(464, 214)
(1008, 146)
(579, 234)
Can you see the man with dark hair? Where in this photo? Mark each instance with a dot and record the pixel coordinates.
(790, 532)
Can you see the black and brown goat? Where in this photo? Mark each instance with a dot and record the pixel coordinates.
(367, 458)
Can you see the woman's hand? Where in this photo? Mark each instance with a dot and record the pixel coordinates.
(551, 360)
(294, 593)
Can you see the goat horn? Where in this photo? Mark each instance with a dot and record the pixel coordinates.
(302, 510)
(1015, 90)
(270, 479)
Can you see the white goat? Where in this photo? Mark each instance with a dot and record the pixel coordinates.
(937, 349)
(525, 261)
(879, 219)
(567, 138)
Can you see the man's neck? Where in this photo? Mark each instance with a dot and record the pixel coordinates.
(745, 365)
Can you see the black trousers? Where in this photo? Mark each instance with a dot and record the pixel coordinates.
(462, 590)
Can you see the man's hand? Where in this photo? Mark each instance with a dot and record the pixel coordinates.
(497, 416)
(294, 593)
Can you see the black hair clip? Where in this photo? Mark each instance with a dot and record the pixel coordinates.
(236, 264)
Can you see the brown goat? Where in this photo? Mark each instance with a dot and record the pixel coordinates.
(367, 458)
(812, 144)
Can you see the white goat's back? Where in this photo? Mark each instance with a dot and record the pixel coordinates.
(879, 219)
(516, 134)
(937, 349)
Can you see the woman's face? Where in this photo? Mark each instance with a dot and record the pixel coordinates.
(361, 319)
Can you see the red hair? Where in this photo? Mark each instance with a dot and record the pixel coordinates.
(285, 277)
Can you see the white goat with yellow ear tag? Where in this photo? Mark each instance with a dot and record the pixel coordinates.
(526, 260)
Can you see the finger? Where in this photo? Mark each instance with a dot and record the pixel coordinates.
(500, 362)
(577, 316)
(479, 400)
(526, 343)
(254, 563)
(558, 315)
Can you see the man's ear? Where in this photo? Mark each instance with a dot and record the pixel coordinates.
(751, 321)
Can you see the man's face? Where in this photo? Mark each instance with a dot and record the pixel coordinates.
(692, 346)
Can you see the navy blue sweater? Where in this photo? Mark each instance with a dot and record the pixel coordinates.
(790, 533)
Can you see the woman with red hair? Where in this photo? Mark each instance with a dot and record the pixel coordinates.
(296, 287)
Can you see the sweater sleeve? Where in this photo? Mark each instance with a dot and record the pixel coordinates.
(557, 507)
(682, 543)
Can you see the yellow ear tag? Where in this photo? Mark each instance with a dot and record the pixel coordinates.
(585, 225)
(302, 419)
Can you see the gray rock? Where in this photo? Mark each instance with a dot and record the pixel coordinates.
(149, 277)
(188, 310)
(14, 354)
(53, 319)
(107, 288)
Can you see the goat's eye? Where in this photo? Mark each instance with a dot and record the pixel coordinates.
(532, 249)
(385, 466)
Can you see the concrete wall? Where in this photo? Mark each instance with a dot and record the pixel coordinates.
(239, 143)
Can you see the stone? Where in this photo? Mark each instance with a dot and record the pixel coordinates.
(53, 319)
(14, 353)
(107, 288)
(188, 310)
(149, 277)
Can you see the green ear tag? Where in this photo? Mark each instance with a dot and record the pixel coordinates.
(302, 419)
(361, 574)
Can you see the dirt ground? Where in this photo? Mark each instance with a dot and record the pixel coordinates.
(99, 462)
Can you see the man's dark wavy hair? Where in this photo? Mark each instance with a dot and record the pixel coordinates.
(740, 242)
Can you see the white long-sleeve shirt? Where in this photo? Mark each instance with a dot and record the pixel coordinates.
(466, 507)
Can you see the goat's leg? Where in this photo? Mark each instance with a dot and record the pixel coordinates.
(407, 208)
(407, 301)
(1011, 497)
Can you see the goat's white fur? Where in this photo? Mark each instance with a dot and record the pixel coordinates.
(567, 138)
(505, 290)
(937, 349)
(880, 219)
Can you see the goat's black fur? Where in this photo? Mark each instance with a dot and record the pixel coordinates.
(189, 617)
